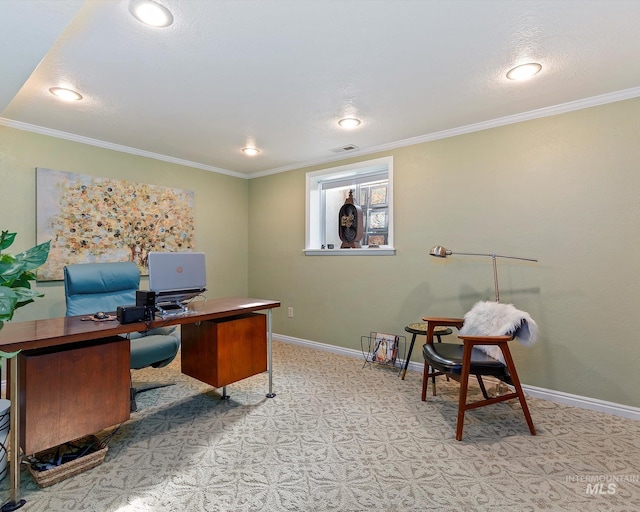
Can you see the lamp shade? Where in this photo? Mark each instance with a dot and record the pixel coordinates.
(439, 251)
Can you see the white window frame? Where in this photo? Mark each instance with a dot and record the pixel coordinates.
(314, 207)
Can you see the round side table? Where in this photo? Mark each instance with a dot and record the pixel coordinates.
(421, 328)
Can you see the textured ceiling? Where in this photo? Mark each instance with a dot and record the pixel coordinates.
(280, 74)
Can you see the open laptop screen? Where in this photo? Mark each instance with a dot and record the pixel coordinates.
(172, 273)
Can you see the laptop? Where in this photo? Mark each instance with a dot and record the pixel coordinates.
(173, 274)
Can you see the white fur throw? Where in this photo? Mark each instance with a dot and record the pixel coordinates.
(495, 319)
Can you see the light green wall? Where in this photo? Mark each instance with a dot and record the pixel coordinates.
(563, 189)
(220, 206)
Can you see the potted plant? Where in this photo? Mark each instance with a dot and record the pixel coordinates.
(15, 292)
(15, 274)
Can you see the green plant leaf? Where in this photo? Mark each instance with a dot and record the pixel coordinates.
(34, 257)
(8, 301)
(23, 280)
(10, 272)
(26, 295)
(6, 239)
(15, 274)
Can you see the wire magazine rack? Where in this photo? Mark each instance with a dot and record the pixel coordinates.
(383, 350)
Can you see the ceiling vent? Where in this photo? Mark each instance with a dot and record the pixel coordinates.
(344, 149)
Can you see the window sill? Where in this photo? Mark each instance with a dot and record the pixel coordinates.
(377, 251)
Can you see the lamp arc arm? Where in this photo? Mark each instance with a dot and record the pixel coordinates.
(494, 256)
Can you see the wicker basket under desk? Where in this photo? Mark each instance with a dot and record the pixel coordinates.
(71, 468)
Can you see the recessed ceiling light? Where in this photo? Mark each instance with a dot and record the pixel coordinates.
(65, 94)
(250, 151)
(349, 123)
(151, 13)
(524, 71)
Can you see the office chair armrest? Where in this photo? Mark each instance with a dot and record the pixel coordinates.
(486, 340)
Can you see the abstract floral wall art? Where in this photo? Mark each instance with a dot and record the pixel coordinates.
(93, 220)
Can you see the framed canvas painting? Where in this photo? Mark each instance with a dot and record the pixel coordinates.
(92, 220)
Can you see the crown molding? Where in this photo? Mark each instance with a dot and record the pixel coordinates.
(554, 110)
(115, 147)
(562, 108)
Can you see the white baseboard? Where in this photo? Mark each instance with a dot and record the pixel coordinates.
(583, 402)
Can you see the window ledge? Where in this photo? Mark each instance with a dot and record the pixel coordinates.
(377, 251)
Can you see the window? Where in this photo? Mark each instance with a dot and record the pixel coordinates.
(327, 190)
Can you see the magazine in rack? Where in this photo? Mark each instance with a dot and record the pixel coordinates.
(385, 348)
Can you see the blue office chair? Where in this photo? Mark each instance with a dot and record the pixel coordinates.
(102, 287)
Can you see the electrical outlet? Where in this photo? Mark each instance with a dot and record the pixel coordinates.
(290, 312)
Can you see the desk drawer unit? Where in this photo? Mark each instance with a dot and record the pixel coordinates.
(70, 391)
(219, 352)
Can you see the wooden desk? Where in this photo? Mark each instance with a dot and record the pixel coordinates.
(50, 347)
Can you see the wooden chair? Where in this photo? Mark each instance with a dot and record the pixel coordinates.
(461, 361)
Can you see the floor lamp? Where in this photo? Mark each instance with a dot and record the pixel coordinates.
(441, 252)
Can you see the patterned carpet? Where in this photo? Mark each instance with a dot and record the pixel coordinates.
(340, 437)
